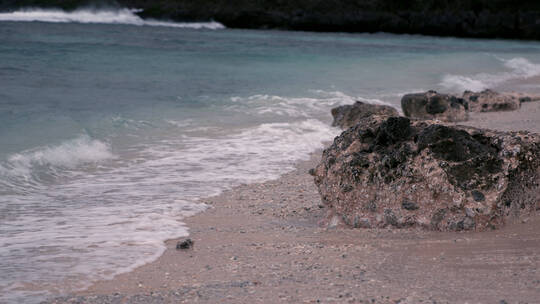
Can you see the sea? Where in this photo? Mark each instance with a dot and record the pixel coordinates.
(114, 129)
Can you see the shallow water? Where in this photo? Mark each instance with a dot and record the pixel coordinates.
(111, 130)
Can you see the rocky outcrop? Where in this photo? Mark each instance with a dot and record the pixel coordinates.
(350, 115)
(491, 101)
(400, 173)
(463, 18)
(432, 105)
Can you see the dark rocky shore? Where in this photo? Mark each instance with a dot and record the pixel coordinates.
(461, 18)
(262, 243)
(391, 171)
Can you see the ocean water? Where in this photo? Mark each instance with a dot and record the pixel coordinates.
(113, 128)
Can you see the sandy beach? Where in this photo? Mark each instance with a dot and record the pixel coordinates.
(263, 243)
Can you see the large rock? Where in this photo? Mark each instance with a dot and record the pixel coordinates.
(432, 105)
(401, 173)
(349, 115)
(490, 101)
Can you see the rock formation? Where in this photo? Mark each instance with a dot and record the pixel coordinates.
(350, 115)
(432, 105)
(490, 101)
(400, 173)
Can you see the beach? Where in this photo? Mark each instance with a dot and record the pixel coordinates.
(121, 136)
(264, 243)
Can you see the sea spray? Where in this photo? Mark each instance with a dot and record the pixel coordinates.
(118, 16)
(518, 68)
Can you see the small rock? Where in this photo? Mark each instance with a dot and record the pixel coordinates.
(489, 101)
(478, 196)
(432, 105)
(185, 244)
(409, 206)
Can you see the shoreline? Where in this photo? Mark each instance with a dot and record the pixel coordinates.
(262, 243)
(456, 19)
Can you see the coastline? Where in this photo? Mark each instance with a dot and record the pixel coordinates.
(483, 19)
(262, 243)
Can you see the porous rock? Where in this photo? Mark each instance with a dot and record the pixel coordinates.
(184, 244)
(491, 101)
(400, 173)
(432, 105)
(349, 115)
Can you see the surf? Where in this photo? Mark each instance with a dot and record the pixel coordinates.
(119, 16)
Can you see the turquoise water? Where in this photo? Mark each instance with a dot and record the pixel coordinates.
(112, 129)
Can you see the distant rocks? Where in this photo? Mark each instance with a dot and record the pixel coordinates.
(463, 18)
(349, 115)
(432, 105)
(396, 172)
(435, 106)
(491, 101)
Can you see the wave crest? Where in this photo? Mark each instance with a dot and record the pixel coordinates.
(120, 16)
(22, 170)
(519, 68)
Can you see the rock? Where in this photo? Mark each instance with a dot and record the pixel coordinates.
(524, 97)
(399, 173)
(432, 105)
(185, 244)
(349, 115)
(491, 101)
(409, 206)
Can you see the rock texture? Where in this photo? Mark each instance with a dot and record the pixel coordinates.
(432, 105)
(463, 18)
(400, 173)
(350, 115)
(490, 101)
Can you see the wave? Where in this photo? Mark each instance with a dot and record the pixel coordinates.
(519, 68)
(120, 16)
(298, 107)
(24, 169)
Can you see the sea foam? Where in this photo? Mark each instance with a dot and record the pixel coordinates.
(517, 68)
(120, 16)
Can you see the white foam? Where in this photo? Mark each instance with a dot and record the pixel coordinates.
(70, 153)
(297, 107)
(120, 16)
(107, 221)
(518, 68)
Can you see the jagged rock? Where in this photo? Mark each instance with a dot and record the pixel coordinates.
(349, 115)
(401, 173)
(432, 105)
(490, 101)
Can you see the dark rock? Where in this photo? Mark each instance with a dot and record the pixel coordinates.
(478, 196)
(437, 217)
(349, 115)
(491, 101)
(432, 105)
(453, 177)
(390, 218)
(185, 244)
(409, 206)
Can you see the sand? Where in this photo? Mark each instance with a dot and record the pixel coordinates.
(262, 243)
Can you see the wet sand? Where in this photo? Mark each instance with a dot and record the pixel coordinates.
(262, 243)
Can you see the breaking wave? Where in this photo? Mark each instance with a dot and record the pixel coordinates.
(518, 68)
(120, 16)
